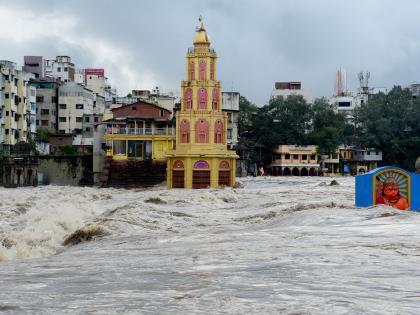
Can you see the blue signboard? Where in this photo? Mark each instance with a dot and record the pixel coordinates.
(391, 186)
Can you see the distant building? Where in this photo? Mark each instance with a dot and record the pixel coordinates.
(16, 110)
(35, 65)
(163, 100)
(296, 160)
(359, 160)
(61, 68)
(47, 104)
(415, 90)
(75, 101)
(230, 105)
(284, 89)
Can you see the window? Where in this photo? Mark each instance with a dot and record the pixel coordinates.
(87, 119)
(63, 106)
(44, 122)
(37, 122)
(287, 156)
(87, 129)
(96, 119)
(133, 107)
(79, 106)
(62, 131)
(304, 157)
(45, 111)
(79, 119)
(119, 147)
(161, 113)
(313, 156)
(66, 69)
(295, 156)
(58, 69)
(62, 119)
(7, 113)
(54, 99)
(229, 133)
(368, 152)
(39, 99)
(6, 95)
(6, 131)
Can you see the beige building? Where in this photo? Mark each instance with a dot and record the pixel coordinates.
(230, 105)
(16, 97)
(297, 160)
(74, 102)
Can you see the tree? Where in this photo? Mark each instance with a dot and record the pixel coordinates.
(390, 122)
(327, 126)
(43, 134)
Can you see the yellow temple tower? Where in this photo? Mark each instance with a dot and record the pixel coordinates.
(201, 158)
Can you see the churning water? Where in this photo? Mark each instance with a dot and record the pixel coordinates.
(277, 246)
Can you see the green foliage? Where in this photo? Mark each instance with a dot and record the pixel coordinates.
(69, 149)
(43, 134)
(327, 127)
(390, 122)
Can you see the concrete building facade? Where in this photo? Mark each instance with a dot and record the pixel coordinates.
(230, 105)
(15, 113)
(74, 101)
(61, 68)
(47, 104)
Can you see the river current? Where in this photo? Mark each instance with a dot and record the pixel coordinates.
(284, 245)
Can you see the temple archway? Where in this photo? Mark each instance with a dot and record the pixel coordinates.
(295, 171)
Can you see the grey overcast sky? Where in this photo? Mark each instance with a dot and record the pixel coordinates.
(142, 44)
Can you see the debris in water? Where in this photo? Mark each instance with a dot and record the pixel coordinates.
(334, 183)
(84, 234)
(155, 200)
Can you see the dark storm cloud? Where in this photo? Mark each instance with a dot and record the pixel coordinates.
(143, 43)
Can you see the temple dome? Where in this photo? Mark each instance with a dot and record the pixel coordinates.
(201, 36)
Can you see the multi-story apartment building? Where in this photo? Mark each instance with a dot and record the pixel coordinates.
(230, 105)
(47, 104)
(74, 102)
(16, 107)
(61, 68)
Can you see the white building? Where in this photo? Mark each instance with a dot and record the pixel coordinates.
(61, 68)
(284, 89)
(230, 105)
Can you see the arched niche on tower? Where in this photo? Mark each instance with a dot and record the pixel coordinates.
(202, 98)
(188, 98)
(184, 130)
(202, 131)
(191, 70)
(215, 99)
(202, 70)
(218, 132)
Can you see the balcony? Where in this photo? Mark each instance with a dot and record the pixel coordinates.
(142, 131)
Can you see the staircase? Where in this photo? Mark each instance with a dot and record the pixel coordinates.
(132, 173)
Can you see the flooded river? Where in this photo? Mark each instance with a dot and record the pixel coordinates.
(276, 246)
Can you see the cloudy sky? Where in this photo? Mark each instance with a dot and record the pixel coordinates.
(142, 44)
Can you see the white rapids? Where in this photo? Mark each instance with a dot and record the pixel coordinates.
(280, 245)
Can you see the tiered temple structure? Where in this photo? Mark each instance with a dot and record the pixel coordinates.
(201, 158)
